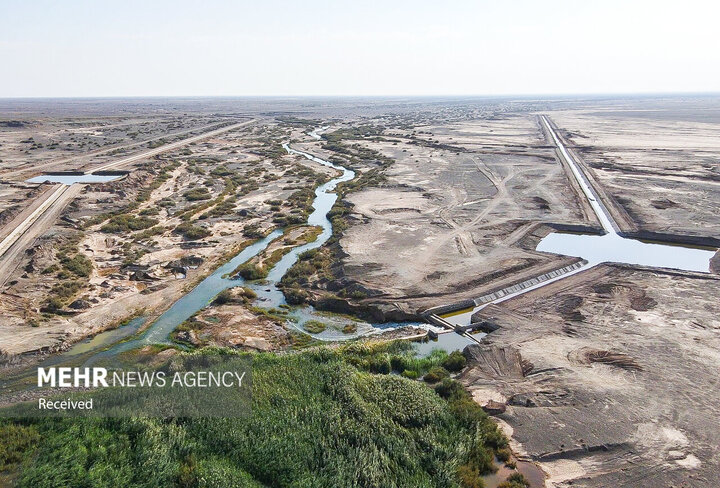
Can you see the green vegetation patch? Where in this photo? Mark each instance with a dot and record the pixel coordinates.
(314, 326)
(79, 265)
(15, 442)
(515, 480)
(252, 271)
(60, 294)
(199, 193)
(317, 420)
(191, 232)
(124, 223)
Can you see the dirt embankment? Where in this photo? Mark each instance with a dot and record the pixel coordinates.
(455, 210)
(135, 245)
(611, 377)
(658, 168)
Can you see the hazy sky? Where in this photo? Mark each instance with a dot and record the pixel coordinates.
(316, 47)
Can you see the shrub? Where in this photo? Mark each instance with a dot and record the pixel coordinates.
(470, 477)
(251, 271)
(249, 293)
(79, 265)
(223, 297)
(454, 362)
(436, 374)
(125, 223)
(515, 480)
(253, 231)
(295, 296)
(52, 305)
(314, 326)
(413, 375)
(66, 289)
(148, 233)
(16, 441)
(372, 430)
(191, 232)
(449, 388)
(379, 365)
(200, 193)
(503, 454)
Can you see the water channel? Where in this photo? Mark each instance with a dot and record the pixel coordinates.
(269, 295)
(597, 249)
(69, 179)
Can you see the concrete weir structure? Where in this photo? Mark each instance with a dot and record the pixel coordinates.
(590, 249)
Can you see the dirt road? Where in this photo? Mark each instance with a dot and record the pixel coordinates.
(20, 234)
(34, 225)
(169, 147)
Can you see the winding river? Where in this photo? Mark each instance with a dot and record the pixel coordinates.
(269, 295)
(595, 249)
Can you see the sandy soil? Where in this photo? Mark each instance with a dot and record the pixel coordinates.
(660, 165)
(446, 218)
(619, 386)
(235, 326)
(130, 273)
(30, 144)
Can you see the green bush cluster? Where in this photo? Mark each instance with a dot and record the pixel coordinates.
(60, 295)
(253, 231)
(316, 420)
(515, 480)
(79, 265)
(252, 271)
(454, 362)
(399, 355)
(356, 132)
(199, 193)
(191, 232)
(295, 296)
(309, 263)
(15, 441)
(124, 223)
(223, 297)
(436, 374)
(314, 326)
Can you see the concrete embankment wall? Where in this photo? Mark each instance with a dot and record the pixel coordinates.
(451, 307)
(111, 172)
(663, 238)
(439, 321)
(503, 292)
(576, 228)
(491, 297)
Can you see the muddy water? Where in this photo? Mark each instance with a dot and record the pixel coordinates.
(446, 341)
(269, 296)
(533, 474)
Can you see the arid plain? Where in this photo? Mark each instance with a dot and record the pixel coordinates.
(605, 377)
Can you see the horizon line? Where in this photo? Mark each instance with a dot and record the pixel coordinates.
(504, 95)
